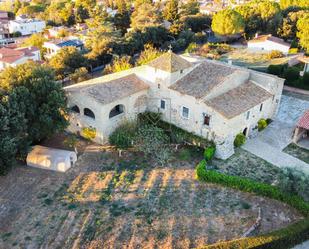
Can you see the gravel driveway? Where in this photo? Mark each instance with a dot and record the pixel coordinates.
(270, 142)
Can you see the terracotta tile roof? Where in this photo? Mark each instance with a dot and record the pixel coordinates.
(170, 62)
(263, 38)
(202, 79)
(239, 99)
(10, 55)
(303, 122)
(108, 92)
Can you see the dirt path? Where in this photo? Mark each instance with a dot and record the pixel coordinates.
(107, 202)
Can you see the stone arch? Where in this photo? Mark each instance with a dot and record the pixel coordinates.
(117, 110)
(89, 113)
(75, 109)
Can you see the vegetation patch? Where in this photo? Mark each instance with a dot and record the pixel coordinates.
(298, 152)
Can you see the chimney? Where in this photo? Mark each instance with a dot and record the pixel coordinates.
(256, 35)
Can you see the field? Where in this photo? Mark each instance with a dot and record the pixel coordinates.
(107, 201)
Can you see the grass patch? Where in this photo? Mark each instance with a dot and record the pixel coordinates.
(298, 152)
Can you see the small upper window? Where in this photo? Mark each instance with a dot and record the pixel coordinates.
(89, 113)
(206, 120)
(261, 107)
(75, 109)
(162, 104)
(185, 112)
(248, 115)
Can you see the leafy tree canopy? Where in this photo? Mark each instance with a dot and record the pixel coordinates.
(227, 22)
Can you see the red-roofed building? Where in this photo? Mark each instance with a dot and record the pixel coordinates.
(10, 57)
(302, 128)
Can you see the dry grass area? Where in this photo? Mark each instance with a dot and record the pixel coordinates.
(128, 202)
(249, 58)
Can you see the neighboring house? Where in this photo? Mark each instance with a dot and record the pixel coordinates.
(26, 26)
(10, 57)
(269, 43)
(52, 47)
(4, 20)
(209, 98)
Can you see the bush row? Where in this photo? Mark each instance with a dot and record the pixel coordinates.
(283, 238)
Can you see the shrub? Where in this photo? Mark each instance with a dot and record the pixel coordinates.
(283, 238)
(306, 79)
(291, 74)
(269, 120)
(209, 153)
(262, 124)
(240, 139)
(293, 50)
(123, 135)
(276, 69)
(89, 133)
(192, 47)
(274, 54)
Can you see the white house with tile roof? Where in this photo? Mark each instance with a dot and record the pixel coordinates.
(211, 99)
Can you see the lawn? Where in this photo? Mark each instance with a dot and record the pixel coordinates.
(298, 152)
(111, 202)
(247, 58)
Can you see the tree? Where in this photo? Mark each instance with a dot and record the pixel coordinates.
(268, 9)
(288, 3)
(146, 15)
(149, 54)
(81, 14)
(303, 31)
(227, 22)
(100, 39)
(118, 65)
(153, 142)
(288, 28)
(138, 3)
(66, 61)
(170, 11)
(192, 7)
(35, 40)
(32, 107)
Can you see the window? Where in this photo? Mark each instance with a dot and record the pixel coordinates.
(75, 109)
(185, 112)
(89, 113)
(206, 120)
(159, 86)
(162, 104)
(261, 107)
(117, 110)
(248, 115)
(181, 71)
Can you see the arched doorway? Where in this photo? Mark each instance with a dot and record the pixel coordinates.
(245, 131)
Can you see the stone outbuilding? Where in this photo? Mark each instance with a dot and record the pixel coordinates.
(211, 99)
(301, 133)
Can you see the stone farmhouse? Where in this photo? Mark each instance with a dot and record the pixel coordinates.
(211, 99)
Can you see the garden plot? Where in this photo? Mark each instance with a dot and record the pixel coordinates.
(111, 202)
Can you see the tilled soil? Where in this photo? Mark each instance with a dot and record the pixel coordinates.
(111, 202)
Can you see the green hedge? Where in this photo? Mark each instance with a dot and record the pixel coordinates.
(283, 238)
